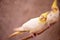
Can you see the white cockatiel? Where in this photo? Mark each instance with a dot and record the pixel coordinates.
(53, 15)
(38, 24)
(32, 26)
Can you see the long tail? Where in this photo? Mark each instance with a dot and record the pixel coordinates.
(14, 34)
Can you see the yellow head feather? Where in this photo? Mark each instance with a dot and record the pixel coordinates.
(44, 17)
(54, 6)
(44, 14)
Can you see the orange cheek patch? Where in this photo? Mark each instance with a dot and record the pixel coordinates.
(42, 20)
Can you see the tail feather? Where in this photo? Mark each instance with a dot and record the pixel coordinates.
(15, 33)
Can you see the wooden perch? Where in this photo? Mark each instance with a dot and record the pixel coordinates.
(30, 36)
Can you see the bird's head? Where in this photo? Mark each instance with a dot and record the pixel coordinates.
(43, 17)
(54, 6)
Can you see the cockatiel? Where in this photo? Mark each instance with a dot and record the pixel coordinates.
(40, 23)
(32, 26)
(53, 15)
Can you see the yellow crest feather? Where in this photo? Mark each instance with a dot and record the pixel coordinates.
(54, 5)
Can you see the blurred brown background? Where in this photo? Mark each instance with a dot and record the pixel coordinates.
(13, 13)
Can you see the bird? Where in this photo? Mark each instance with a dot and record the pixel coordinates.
(32, 26)
(40, 23)
(53, 15)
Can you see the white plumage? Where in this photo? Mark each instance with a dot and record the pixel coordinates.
(38, 24)
(53, 15)
(32, 26)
